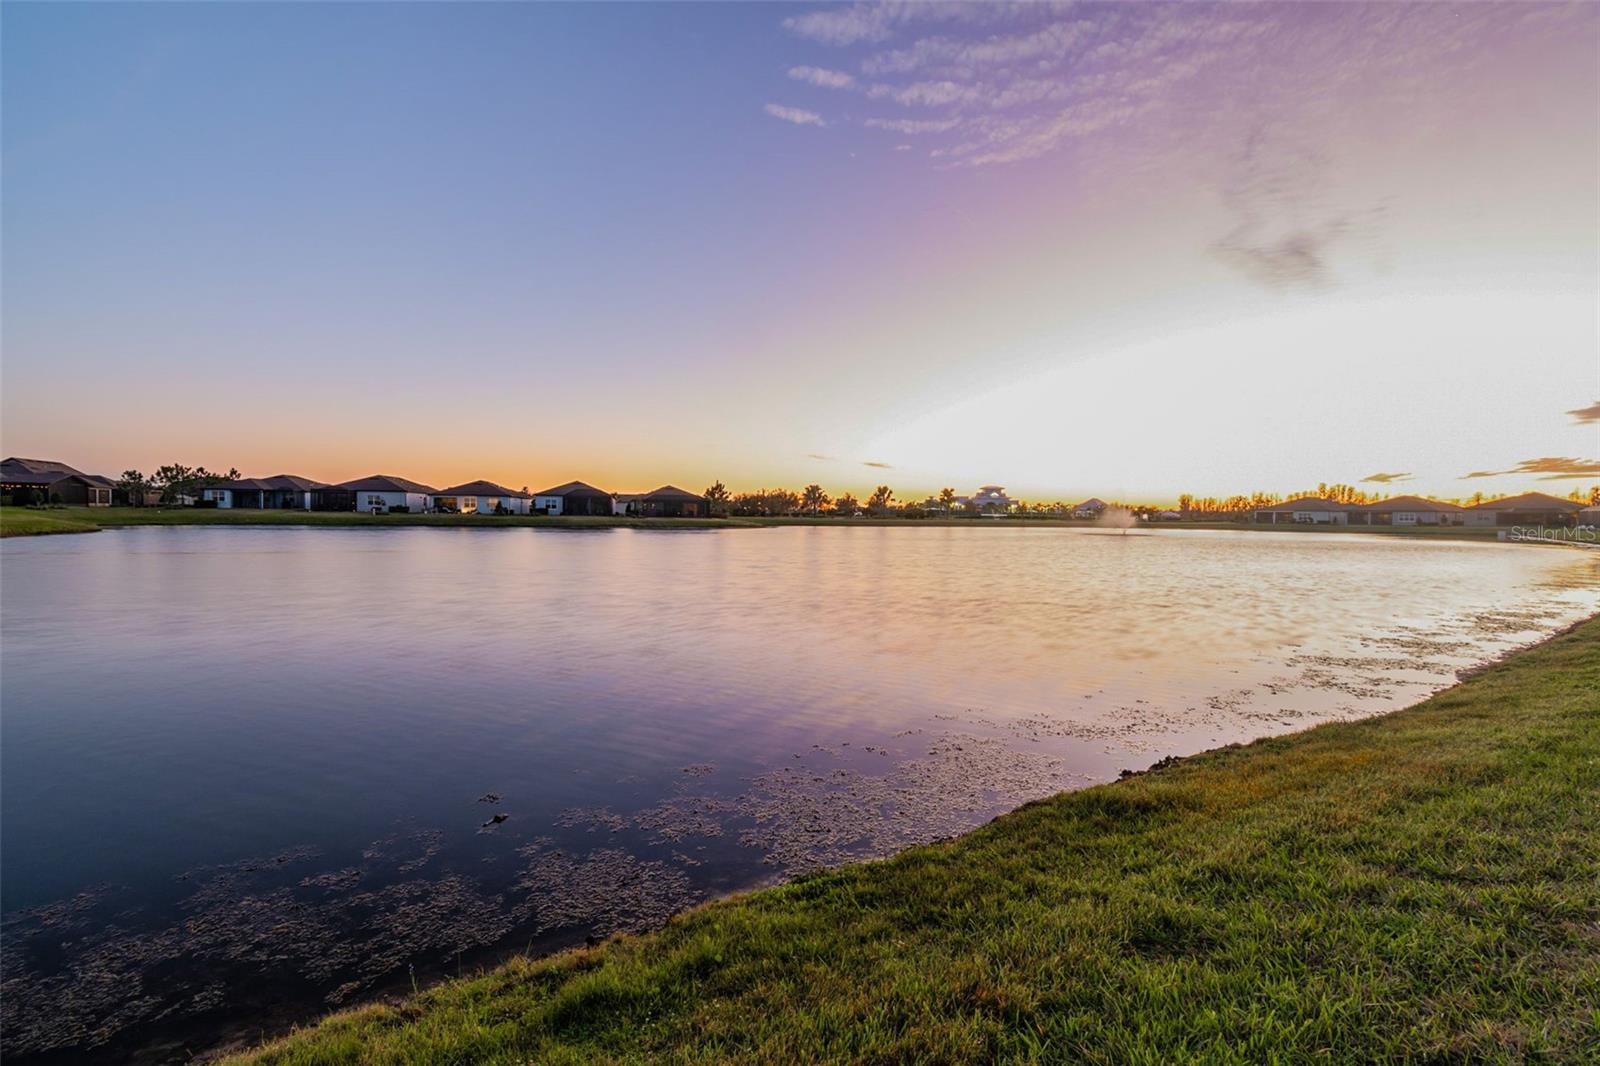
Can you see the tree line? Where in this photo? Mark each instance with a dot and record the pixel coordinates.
(170, 483)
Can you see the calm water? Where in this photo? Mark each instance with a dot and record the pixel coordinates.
(246, 772)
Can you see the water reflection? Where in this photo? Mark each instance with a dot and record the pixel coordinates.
(252, 772)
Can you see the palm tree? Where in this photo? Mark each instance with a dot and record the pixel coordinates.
(880, 499)
(813, 499)
(947, 499)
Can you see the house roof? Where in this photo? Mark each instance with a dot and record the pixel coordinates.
(385, 483)
(275, 483)
(572, 486)
(292, 482)
(669, 492)
(1529, 501)
(1093, 503)
(481, 488)
(1411, 503)
(1307, 503)
(15, 471)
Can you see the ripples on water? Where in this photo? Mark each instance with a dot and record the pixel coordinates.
(252, 773)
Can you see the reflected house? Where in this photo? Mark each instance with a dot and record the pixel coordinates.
(1408, 511)
(482, 497)
(575, 497)
(25, 481)
(1529, 509)
(668, 501)
(1306, 510)
(281, 492)
(382, 493)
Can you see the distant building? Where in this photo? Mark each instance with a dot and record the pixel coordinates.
(25, 481)
(668, 501)
(989, 498)
(574, 498)
(1408, 511)
(482, 497)
(382, 493)
(1312, 510)
(279, 492)
(1529, 509)
(1093, 507)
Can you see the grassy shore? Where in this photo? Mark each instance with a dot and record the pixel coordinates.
(1422, 887)
(23, 521)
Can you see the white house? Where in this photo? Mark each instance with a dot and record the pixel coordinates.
(279, 492)
(1313, 510)
(482, 497)
(987, 498)
(382, 493)
(1410, 511)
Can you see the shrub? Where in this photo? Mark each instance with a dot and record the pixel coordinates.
(401, 509)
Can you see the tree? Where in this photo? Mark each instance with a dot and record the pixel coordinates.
(881, 498)
(947, 498)
(134, 485)
(846, 505)
(717, 497)
(1594, 496)
(813, 499)
(176, 480)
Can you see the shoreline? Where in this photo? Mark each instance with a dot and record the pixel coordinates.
(26, 522)
(1541, 686)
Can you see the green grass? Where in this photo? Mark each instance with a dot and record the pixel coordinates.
(16, 521)
(28, 522)
(1423, 887)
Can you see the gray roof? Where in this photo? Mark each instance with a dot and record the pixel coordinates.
(15, 471)
(669, 492)
(1308, 503)
(481, 488)
(1411, 503)
(573, 486)
(385, 483)
(1529, 501)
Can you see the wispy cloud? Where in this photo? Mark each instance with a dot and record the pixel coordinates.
(1385, 479)
(824, 458)
(1586, 414)
(798, 115)
(876, 465)
(1013, 81)
(823, 77)
(1549, 468)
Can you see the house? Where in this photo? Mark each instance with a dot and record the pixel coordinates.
(25, 481)
(575, 497)
(1314, 510)
(668, 501)
(1408, 511)
(382, 493)
(482, 497)
(1093, 507)
(1529, 509)
(988, 498)
(279, 492)
(1589, 516)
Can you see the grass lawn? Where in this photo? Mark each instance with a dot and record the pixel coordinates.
(1423, 887)
(27, 522)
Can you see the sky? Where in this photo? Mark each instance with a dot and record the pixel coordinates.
(1124, 250)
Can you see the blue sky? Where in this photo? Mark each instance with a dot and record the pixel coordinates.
(645, 243)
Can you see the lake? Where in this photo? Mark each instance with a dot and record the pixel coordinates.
(249, 775)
